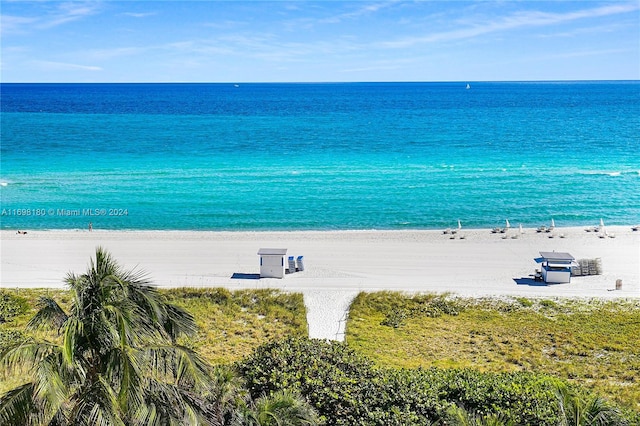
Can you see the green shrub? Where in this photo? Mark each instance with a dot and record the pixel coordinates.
(347, 389)
(8, 337)
(526, 303)
(422, 305)
(11, 306)
(546, 303)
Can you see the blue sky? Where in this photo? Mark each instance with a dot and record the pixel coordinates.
(323, 41)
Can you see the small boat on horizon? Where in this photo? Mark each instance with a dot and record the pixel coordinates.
(468, 86)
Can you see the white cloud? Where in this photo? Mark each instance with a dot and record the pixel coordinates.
(69, 12)
(367, 9)
(512, 22)
(15, 24)
(139, 15)
(61, 14)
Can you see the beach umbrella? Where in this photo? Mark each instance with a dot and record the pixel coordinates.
(521, 231)
(459, 224)
(508, 224)
(601, 223)
(553, 223)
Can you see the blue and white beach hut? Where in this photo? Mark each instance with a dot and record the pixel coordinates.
(556, 266)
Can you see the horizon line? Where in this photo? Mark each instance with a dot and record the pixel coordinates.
(321, 82)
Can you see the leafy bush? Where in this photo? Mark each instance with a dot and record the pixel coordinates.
(347, 389)
(8, 337)
(328, 375)
(11, 306)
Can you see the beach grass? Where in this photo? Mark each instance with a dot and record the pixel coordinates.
(589, 341)
(230, 324)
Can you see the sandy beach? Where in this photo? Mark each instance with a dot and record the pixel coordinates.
(338, 264)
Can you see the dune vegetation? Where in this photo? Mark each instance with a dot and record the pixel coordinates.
(590, 342)
(407, 359)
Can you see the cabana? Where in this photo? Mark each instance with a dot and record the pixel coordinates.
(272, 262)
(556, 266)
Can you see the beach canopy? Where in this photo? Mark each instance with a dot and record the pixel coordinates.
(556, 258)
(556, 255)
(508, 224)
(553, 223)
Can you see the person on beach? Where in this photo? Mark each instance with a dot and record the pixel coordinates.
(90, 226)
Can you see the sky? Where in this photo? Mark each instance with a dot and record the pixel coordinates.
(321, 41)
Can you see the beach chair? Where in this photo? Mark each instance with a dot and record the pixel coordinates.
(300, 263)
(292, 265)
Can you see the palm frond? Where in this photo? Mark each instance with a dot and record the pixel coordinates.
(96, 405)
(178, 364)
(600, 413)
(118, 363)
(26, 354)
(73, 333)
(50, 386)
(179, 322)
(125, 369)
(284, 409)
(49, 314)
(17, 406)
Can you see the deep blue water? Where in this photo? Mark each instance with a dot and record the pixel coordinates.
(319, 156)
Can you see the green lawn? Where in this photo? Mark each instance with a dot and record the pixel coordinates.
(592, 342)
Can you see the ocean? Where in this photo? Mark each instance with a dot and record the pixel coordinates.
(328, 156)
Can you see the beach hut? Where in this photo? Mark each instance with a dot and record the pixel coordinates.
(556, 266)
(272, 262)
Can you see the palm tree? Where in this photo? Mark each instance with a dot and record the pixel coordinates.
(459, 416)
(578, 411)
(279, 409)
(118, 362)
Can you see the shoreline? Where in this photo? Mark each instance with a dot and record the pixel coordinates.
(512, 229)
(338, 264)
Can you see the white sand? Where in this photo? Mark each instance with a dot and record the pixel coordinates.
(338, 265)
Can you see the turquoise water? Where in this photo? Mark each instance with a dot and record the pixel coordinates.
(319, 156)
